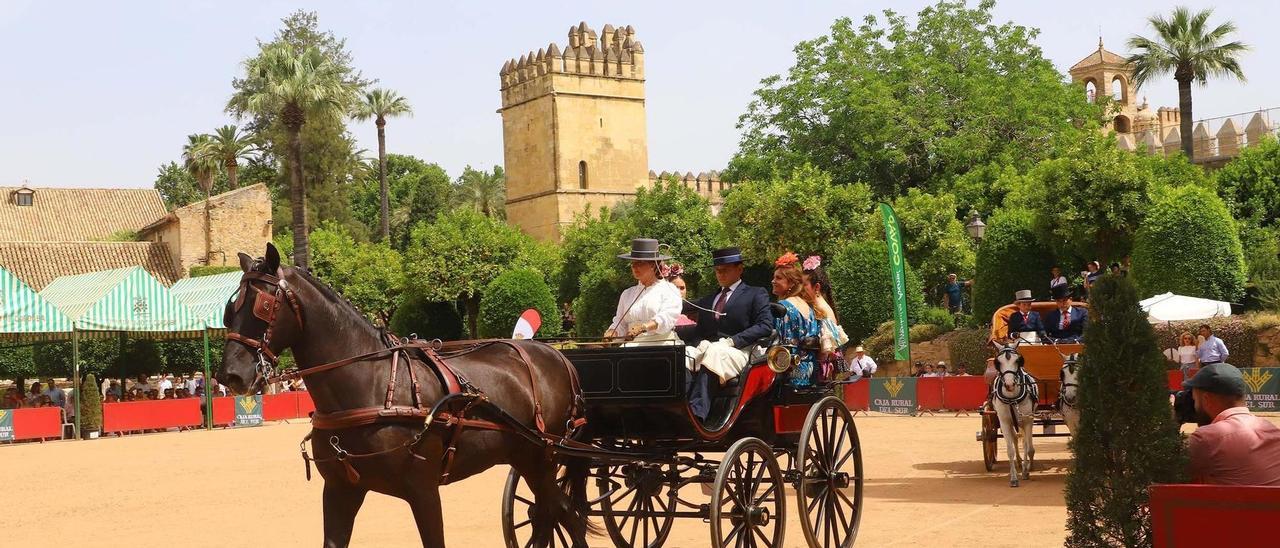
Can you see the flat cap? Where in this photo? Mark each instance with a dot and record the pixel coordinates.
(1219, 378)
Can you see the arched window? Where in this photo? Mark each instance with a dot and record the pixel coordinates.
(582, 174)
(1090, 90)
(1121, 124)
(1117, 89)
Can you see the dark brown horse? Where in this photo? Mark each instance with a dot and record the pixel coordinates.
(280, 307)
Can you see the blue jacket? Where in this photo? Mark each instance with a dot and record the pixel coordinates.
(1053, 323)
(746, 319)
(1018, 324)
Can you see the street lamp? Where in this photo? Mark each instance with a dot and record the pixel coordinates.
(975, 227)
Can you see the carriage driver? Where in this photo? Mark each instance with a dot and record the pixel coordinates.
(1024, 320)
(730, 322)
(1065, 323)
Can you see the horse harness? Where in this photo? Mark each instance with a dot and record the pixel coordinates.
(1062, 390)
(450, 412)
(1026, 385)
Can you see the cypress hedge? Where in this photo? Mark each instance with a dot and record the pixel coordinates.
(509, 295)
(90, 398)
(1127, 438)
(428, 319)
(863, 290)
(1188, 244)
(1010, 258)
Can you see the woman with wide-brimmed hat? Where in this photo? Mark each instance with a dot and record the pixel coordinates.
(647, 311)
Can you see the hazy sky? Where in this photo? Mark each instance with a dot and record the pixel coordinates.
(99, 94)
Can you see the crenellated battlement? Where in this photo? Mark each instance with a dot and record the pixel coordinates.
(613, 53)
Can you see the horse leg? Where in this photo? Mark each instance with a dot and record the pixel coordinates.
(341, 503)
(1029, 428)
(427, 514)
(1007, 428)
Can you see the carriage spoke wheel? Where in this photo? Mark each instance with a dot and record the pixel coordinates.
(748, 504)
(990, 428)
(829, 462)
(636, 501)
(518, 511)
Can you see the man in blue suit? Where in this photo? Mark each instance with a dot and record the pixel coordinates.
(730, 322)
(1024, 319)
(1065, 323)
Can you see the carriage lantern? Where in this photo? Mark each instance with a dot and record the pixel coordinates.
(975, 227)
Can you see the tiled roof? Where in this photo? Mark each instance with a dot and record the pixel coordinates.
(1099, 57)
(77, 214)
(38, 263)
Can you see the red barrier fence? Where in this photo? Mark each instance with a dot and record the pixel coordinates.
(964, 393)
(1175, 378)
(37, 423)
(151, 415)
(275, 407)
(857, 396)
(929, 393)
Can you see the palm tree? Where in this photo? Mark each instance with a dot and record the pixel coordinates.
(231, 146)
(381, 104)
(292, 86)
(1187, 47)
(201, 160)
(486, 191)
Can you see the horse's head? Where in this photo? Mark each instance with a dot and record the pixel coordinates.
(1009, 365)
(1070, 370)
(263, 320)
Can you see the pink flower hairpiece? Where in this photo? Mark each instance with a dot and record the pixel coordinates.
(675, 270)
(812, 262)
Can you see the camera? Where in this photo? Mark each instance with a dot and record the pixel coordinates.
(1184, 407)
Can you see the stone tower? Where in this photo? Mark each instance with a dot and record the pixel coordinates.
(573, 128)
(1104, 73)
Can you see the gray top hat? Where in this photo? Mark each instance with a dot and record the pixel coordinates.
(644, 249)
(1023, 295)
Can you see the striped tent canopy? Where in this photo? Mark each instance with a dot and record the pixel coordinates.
(25, 316)
(207, 296)
(122, 300)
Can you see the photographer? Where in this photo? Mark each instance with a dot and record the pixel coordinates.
(1232, 446)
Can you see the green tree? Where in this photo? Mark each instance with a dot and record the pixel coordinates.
(455, 257)
(936, 243)
(899, 106)
(1010, 258)
(484, 190)
(419, 192)
(509, 295)
(859, 272)
(17, 363)
(1186, 46)
(1188, 244)
(380, 104)
(302, 77)
(416, 315)
(228, 145)
(201, 159)
(89, 396)
(1127, 439)
(677, 216)
(1250, 183)
(803, 212)
(369, 275)
(590, 239)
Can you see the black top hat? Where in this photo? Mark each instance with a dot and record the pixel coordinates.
(644, 249)
(1061, 292)
(728, 255)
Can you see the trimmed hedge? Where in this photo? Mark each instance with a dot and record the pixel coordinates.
(879, 345)
(969, 348)
(924, 332)
(863, 290)
(509, 295)
(597, 300)
(1188, 244)
(1010, 258)
(939, 317)
(428, 319)
(1239, 333)
(90, 397)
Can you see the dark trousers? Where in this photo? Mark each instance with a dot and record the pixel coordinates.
(698, 389)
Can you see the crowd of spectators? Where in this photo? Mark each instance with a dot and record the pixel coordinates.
(939, 369)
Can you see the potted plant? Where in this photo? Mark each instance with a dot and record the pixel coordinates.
(90, 408)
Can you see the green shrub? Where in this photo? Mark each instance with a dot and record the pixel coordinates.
(968, 348)
(597, 300)
(879, 345)
(1125, 424)
(510, 294)
(90, 404)
(428, 319)
(204, 270)
(939, 317)
(1010, 258)
(1250, 184)
(924, 332)
(863, 290)
(1188, 244)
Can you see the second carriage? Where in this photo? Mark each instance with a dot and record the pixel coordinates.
(763, 445)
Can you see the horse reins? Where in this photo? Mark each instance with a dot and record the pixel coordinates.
(1021, 377)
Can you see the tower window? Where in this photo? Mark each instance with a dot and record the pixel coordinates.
(1090, 90)
(1117, 89)
(582, 174)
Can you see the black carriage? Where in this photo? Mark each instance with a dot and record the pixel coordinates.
(647, 449)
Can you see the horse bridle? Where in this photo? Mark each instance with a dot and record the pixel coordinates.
(265, 307)
(1063, 384)
(1020, 379)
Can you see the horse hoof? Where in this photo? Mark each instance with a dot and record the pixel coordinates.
(1013, 483)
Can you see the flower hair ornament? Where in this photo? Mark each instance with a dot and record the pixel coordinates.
(674, 270)
(787, 259)
(812, 262)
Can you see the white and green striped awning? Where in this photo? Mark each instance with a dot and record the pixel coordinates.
(207, 296)
(25, 316)
(122, 300)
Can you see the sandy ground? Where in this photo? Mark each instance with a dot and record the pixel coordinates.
(925, 487)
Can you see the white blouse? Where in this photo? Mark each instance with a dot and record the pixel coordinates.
(659, 302)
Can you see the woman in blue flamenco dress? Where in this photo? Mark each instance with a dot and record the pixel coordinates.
(803, 318)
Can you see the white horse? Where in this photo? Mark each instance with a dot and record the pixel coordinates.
(1014, 395)
(1068, 392)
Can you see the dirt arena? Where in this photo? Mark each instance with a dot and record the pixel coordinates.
(925, 487)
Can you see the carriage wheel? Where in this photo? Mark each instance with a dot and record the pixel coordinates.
(829, 460)
(990, 433)
(748, 504)
(518, 511)
(637, 503)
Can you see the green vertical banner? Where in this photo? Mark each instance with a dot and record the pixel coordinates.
(248, 410)
(1264, 388)
(898, 274)
(6, 425)
(893, 395)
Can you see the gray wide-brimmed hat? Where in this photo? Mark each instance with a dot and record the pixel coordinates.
(644, 249)
(1023, 295)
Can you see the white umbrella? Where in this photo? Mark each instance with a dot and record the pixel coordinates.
(1171, 308)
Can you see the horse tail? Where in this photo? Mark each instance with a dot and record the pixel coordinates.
(577, 471)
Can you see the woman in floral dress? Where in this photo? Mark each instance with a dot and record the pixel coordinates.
(802, 320)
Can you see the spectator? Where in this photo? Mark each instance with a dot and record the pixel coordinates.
(954, 295)
(1093, 270)
(190, 384)
(861, 365)
(168, 394)
(111, 398)
(919, 370)
(1185, 354)
(940, 370)
(33, 397)
(1232, 446)
(106, 385)
(166, 386)
(55, 394)
(12, 399)
(959, 372)
(1056, 278)
(114, 388)
(142, 383)
(1212, 350)
(1116, 271)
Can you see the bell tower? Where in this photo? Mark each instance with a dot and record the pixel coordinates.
(573, 128)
